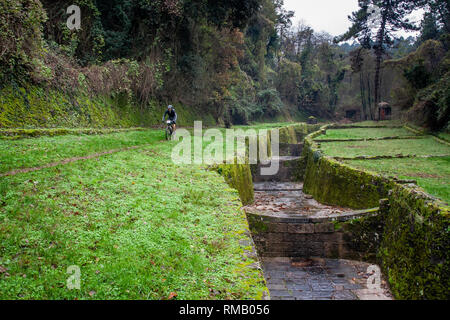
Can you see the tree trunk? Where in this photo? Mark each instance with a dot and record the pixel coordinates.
(369, 96)
(363, 96)
(379, 56)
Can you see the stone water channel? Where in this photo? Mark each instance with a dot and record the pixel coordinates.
(302, 256)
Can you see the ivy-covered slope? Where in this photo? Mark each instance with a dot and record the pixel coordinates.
(39, 107)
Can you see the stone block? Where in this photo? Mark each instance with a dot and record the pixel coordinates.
(274, 237)
(277, 227)
(303, 228)
(324, 228)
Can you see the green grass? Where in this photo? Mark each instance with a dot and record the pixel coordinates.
(15, 134)
(365, 133)
(26, 153)
(138, 226)
(432, 174)
(389, 123)
(257, 126)
(444, 136)
(427, 146)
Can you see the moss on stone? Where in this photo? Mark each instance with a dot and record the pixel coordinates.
(32, 133)
(332, 182)
(295, 133)
(239, 177)
(364, 236)
(410, 237)
(257, 224)
(38, 107)
(415, 248)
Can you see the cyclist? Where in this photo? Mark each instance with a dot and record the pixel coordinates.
(172, 116)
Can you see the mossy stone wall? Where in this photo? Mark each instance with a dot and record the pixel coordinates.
(296, 133)
(239, 177)
(332, 182)
(410, 238)
(415, 248)
(354, 236)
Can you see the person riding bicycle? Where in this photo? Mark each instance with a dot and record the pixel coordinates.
(172, 116)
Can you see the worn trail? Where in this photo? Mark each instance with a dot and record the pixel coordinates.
(69, 160)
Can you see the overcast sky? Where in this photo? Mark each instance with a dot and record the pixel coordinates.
(327, 15)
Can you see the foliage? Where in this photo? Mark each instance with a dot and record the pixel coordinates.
(21, 45)
(427, 73)
(227, 58)
(269, 101)
(373, 25)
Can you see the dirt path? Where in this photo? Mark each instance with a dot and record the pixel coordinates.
(69, 160)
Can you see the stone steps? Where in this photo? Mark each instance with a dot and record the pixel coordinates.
(288, 170)
(290, 229)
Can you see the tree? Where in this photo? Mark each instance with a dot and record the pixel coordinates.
(429, 28)
(20, 38)
(374, 24)
(442, 10)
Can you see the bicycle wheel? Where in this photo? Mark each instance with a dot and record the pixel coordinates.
(168, 133)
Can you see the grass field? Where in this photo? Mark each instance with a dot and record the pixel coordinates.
(365, 133)
(257, 126)
(419, 147)
(445, 136)
(432, 174)
(390, 123)
(24, 153)
(138, 226)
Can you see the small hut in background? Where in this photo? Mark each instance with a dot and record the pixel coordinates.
(384, 111)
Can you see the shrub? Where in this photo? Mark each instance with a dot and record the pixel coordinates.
(270, 102)
(21, 38)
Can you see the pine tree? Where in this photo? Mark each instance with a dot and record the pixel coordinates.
(442, 10)
(373, 25)
(429, 28)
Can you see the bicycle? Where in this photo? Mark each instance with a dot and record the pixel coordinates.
(169, 130)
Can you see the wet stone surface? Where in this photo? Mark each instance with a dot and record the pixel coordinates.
(320, 279)
(288, 198)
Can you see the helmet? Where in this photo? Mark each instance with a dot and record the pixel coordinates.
(170, 107)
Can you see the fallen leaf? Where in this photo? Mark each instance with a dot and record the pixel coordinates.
(172, 295)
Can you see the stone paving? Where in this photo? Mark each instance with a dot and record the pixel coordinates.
(288, 198)
(320, 279)
(309, 278)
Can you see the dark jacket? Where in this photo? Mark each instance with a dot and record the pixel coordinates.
(172, 115)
